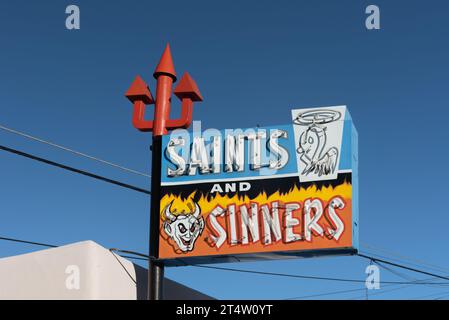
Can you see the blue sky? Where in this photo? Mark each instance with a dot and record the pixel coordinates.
(253, 61)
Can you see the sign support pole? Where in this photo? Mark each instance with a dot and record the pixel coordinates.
(139, 94)
(155, 268)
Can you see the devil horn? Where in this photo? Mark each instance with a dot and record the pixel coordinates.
(168, 214)
(197, 212)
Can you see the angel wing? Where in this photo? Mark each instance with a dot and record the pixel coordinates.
(326, 164)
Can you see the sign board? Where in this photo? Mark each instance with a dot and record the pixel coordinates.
(261, 193)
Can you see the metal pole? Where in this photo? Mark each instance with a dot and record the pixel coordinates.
(165, 76)
(139, 94)
(155, 268)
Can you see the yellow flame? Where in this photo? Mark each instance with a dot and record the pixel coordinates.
(296, 194)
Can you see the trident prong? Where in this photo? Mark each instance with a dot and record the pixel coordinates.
(187, 91)
(140, 95)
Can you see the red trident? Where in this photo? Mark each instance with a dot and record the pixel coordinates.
(139, 94)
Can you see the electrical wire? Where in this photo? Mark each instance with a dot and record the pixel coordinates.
(302, 276)
(141, 255)
(25, 135)
(135, 258)
(145, 257)
(404, 259)
(403, 267)
(396, 273)
(381, 290)
(28, 242)
(431, 295)
(445, 296)
(401, 275)
(121, 264)
(72, 169)
(324, 294)
(356, 290)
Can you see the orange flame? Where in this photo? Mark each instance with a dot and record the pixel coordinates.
(180, 205)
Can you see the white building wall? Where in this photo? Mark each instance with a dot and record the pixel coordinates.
(55, 274)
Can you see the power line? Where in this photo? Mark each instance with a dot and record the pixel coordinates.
(123, 267)
(431, 295)
(401, 275)
(25, 135)
(278, 274)
(402, 262)
(146, 257)
(445, 296)
(28, 242)
(141, 255)
(403, 267)
(303, 276)
(396, 273)
(325, 294)
(402, 258)
(72, 169)
(135, 258)
(382, 291)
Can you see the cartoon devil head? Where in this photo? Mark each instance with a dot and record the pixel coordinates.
(184, 228)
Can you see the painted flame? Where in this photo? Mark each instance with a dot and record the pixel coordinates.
(207, 204)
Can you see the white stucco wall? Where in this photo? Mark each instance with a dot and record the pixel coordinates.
(53, 274)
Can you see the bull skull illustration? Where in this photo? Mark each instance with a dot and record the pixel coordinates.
(184, 228)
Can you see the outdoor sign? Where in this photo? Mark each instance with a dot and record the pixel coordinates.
(260, 193)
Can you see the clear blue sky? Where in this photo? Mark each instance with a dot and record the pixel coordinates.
(253, 62)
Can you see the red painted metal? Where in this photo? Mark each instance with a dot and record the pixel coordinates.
(139, 94)
(187, 91)
(139, 91)
(139, 121)
(165, 65)
(187, 88)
